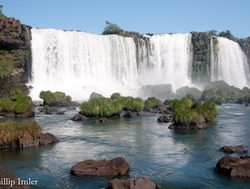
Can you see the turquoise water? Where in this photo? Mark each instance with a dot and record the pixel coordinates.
(172, 159)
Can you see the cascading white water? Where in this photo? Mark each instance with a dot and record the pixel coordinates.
(228, 63)
(170, 61)
(79, 63)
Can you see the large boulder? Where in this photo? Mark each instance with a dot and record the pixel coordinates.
(233, 149)
(233, 166)
(42, 139)
(139, 183)
(101, 168)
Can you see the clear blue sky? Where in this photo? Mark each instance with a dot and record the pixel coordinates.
(155, 16)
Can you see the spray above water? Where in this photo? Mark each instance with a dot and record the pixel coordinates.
(80, 63)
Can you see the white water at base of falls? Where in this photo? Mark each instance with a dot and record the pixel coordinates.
(229, 63)
(170, 61)
(79, 63)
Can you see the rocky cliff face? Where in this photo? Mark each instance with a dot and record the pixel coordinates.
(201, 57)
(245, 45)
(15, 55)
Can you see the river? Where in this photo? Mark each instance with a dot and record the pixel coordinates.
(170, 158)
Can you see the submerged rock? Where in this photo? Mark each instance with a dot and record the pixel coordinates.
(233, 149)
(132, 183)
(102, 120)
(233, 166)
(101, 168)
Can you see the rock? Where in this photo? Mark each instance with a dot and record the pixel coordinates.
(192, 126)
(167, 118)
(46, 139)
(6, 175)
(145, 113)
(102, 120)
(128, 114)
(94, 96)
(27, 141)
(79, 117)
(233, 149)
(247, 105)
(139, 183)
(233, 166)
(101, 168)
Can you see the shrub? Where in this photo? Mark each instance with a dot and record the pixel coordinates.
(100, 107)
(106, 107)
(112, 28)
(151, 102)
(54, 98)
(11, 131)
(6, 104)
(115, 96)
(185, 112)
(17, 102)
(208, 110)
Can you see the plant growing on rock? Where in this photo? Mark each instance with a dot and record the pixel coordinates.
(17, 102)
(151, 102)
(11, 131)
(112, 28)
(54, 98)
(187, 113)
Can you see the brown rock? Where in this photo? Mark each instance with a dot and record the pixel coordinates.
(101, 168)
(233, 166)
(46, 139)
(139, 183)
(233, 149)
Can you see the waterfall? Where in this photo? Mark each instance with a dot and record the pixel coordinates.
(79, 63)
(228, 62)
(170, 61)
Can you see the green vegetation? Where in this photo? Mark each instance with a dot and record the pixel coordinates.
(115, 96)
(188, 91)
(54, 98)
(12, 131)
(151, 102)
(106, 107)
(6, 66)
(112, 28)
(220, 92)
(17, 102)
(187, 113)
(99, 107)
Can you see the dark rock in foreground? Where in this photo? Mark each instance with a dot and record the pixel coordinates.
(79, 117)
(233, 166)
(233, 149)
(167, 118)
(7, 174)
(27, 141)
(139, 183)
(101, 168)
